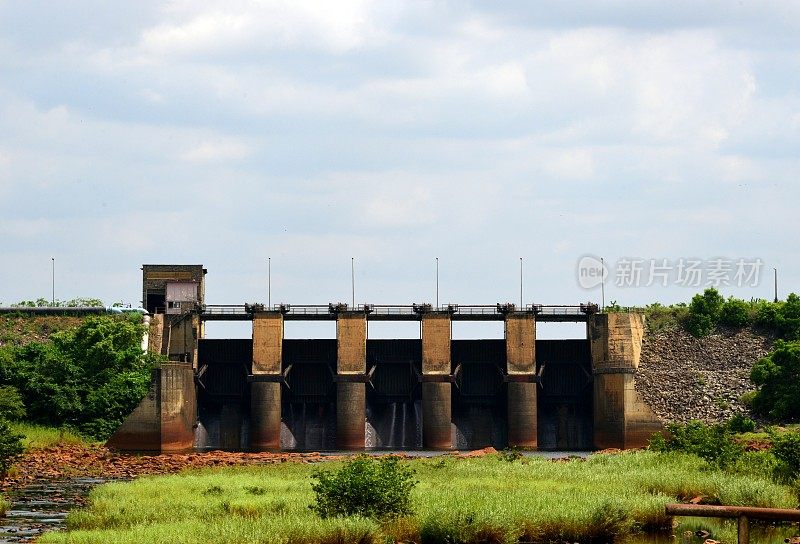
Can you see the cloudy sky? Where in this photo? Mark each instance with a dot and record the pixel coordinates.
(222, 133)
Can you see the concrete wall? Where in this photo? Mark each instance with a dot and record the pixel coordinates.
(621, 419)
(182, 334)
(156, 334)
(265, 387)
(436, 385)
(178, 401)
(520, 334)
(351, 366)
(164, 420)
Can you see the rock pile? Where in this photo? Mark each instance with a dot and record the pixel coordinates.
(683, 378)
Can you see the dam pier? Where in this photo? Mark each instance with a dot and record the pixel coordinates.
(270, 393)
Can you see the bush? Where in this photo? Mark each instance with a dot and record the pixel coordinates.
(11, 406)
(10, 447)
(714, 443)
(704, 312)
(368, 487)
(780, 318)
(741, 424)
(88, 378)
(778, 375)
(786, 448)
(735, 313)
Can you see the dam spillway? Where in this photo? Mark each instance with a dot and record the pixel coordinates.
(270, 393)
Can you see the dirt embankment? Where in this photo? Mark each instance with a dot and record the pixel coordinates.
(71, 461)
(19, 330)
(81, 461)
(683, 378)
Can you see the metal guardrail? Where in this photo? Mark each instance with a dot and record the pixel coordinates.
(743, 513)
(225, 309)
(401, 312)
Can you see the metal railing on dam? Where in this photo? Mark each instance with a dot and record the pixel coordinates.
(398, 312)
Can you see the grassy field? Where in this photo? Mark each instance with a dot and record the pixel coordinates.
(40, 436)
(457, 500)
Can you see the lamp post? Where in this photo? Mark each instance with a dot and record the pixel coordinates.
(603, 284)
(269, 283)
(776, 284)
(520, 284)
(437, 282)
(353, 280)
(53, 278)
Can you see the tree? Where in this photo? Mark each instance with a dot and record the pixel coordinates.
(735, 313)
(778, 378)
(704, 312)
(90, 377)
(10, 447)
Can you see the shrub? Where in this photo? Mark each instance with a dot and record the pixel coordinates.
(368, 487)
(714, 443)
(10, 447)
(89, 378)
(741, 424)
(510, 454)
(11, 406)
(735, 313)
(746, 399)
(780, 318)
(786, 448)
(778, 378)
(704, 312)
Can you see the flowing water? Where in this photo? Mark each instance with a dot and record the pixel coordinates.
(42, 506)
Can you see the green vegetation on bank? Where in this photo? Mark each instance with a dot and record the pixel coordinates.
(35, 437)
(88, 377)
(778, 378)
(72, 303)
(722, 447)
(456, 500)
(710, 309)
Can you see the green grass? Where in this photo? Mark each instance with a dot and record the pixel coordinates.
(4, 506)
(40, 436)
(456, 500)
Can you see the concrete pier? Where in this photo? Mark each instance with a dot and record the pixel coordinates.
(520, 334)
(351, 368)
(436, 382)
(163, 422)
(621, 419)
(265, 384)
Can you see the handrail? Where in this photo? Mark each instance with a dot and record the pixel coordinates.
(402, 311)
(743, 513)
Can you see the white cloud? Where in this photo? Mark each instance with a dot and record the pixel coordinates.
(570, 164)
(316, 130)
(221, 150)
(225, 27)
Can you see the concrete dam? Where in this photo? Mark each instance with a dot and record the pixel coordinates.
(270, 393)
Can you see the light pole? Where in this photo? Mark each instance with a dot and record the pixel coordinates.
(437, 282)
(520, 284)
(269, 283)
(353, 280)
(53, 277)
(776, 284)
(603, 284)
